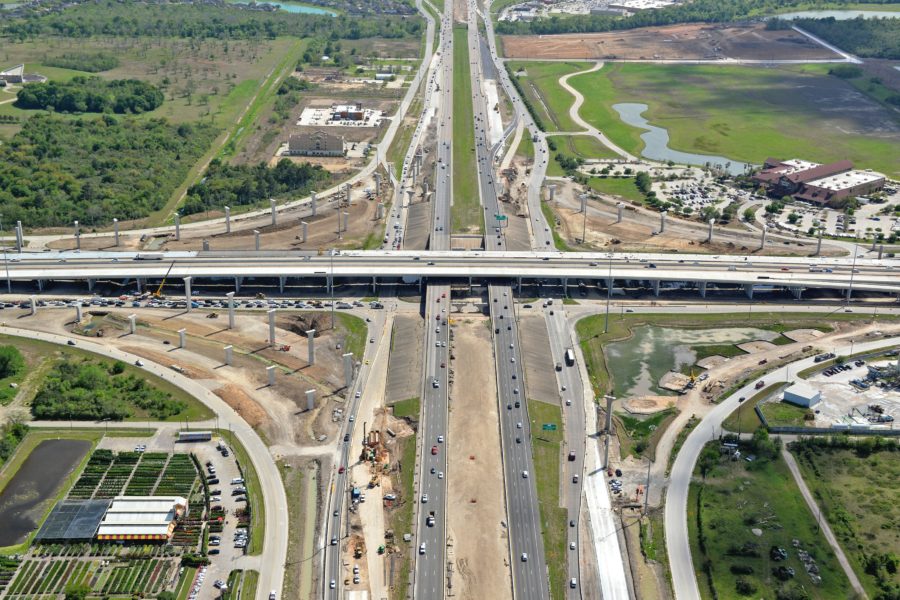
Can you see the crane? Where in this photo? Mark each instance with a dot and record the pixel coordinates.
(158, 291)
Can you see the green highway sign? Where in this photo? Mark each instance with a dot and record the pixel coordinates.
(500, 217)
(549, 427)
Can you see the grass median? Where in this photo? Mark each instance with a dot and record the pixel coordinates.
(401, 519)
(546, 454)
(466, 213)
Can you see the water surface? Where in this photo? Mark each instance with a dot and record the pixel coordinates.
(292, 7)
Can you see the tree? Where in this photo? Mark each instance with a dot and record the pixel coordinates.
(762, 444)
(749, 214)
(166, 596)
(709, 458)
(77, 591)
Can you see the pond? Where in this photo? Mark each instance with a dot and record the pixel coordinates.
(637, 364)
(23, 500)
(293, 7)
(839, 15)
(656, 142)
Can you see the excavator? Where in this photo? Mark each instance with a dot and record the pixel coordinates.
(158, 292)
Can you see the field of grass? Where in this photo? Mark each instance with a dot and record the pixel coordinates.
(466, 214)
(746, 113)
(546, 454)
(254, 492)
(592, 338)
(638, 437)
(746, 420)
(355, 330)
(401, 520)
(558, 240)
(526, 147)
(623, 187)
(408, 408)
(549, 99)
(858, 494)
(587, 146)
(784, 414)
(738, 496)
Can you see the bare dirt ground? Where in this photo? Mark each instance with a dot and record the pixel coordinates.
(675, 42)
(647, 405)
(476, 504)
(803, 335)
(756, 346)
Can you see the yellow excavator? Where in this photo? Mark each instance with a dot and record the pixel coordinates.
(158, 292)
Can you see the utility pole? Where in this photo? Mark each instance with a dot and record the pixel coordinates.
(608, 295)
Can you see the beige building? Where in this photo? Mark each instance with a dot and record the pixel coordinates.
(315, 143)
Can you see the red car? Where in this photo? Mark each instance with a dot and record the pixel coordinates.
(434, 450)
(340, 470)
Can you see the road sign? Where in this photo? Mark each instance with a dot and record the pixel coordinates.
(549, 427)
(500, 217)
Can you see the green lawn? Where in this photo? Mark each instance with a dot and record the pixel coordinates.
(355, 331)
(859, 496)
(526, 146)
(733, 499)
(784, 414)
(546, 454)
(587, 146)
(745, 113)
(623, 187)
(466, 215)
(408, 408)
(401, 519)
(744, 418)
(550, 100)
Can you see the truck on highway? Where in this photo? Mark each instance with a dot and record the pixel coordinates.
(570, 357)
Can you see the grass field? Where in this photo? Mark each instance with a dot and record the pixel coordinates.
(738, 496)
(558, 240)
(640, 436)
(526, 147)
(744, 418)
(546, 454)
(623, 187)
(466, 215)
(746, 113)
(401, 520)
(549, 99)
(859, 496)
(254, 492)
(408, 408)
(784, 414)
(355, 331)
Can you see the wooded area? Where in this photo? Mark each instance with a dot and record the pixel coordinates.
(57, 170)
(84, 390)
(867, 38)
(91, 94)
(238, 185)
(88, 62)
(137, 19)
(697, 11)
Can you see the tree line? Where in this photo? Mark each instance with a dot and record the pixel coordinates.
(86, 390)
(91, 94)
(89, 62)
(129, 18)
(56, 170)
(238, 185)
(697, 11)
(868, 38)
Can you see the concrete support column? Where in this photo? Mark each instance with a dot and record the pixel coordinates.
(620, 209)
(748, 289)
(848, 293)
(880, 251)
(281, 281)
(347, 192)
(19, 236)
(346, 216)
(762, 241)
(310, 399)
(470, 285)
(139, 284)
(374, 285)
(519, 285)
(819, 243)
(116, 231)
(348, 369)
(379, 211)
(552, 189)
(662, 221)
(709, 235)
(181, 338)
(270, 375)
(274, 211)
(377, 184)
(702, 289)
(311, 346)
(797, 291)
(177, 227)
(329, 284)
(420, 285)
(425, 189)
(583, 198)
(312, 203)
(78, 312)
(237, 284)
(77, 236)
(187, 292)
(205, 245)
(256, 239)
(40, 284)
(33, 305)
(132, 324)
(565, 287)
(271, 314)
(229, 355)
(90, 283)
(610, 282)
(304, 229)
(410, 193)
(874, 241)
(230, 296)
(227, 219)
(655, 285)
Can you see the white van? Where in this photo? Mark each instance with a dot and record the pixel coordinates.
(237, 481)
(422, 548)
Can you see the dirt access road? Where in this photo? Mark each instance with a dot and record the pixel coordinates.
(476, 506)
(673, 42)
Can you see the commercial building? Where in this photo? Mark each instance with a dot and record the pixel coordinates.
(828, 184)
(347, 112)
(315, 143)
(148, 518)
(802, 394)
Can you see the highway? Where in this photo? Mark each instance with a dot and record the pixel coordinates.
(684, 580)
(572, 470)
(793, 272)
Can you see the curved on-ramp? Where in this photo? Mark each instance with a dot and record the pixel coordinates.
(274, 554)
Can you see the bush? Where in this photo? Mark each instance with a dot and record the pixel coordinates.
(742, 569)
(744, 587)
(83, 61)
(11, 361)
(845, 71)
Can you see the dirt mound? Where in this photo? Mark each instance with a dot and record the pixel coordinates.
(303, 322)
(243, 404)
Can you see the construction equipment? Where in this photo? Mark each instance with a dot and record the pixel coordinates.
(158, 292)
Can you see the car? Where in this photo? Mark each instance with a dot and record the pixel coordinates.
(358, 394)
(524, 474)
(519, 425)
(340, 470)
(568, 402)
(334, 540)
(272, 595)
(573, 583)
(71, 342)
(440, 474)
(440, 439)
(571, 545)
(422, 548)
(524, 557)
(332, 585)
(434, 450)
(346, 437)
(139, 363)
(424, 498)
(433, 470)
(574, 478)
(572, 523)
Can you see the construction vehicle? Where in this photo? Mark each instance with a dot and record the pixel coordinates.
(284, 348)
(212, 315)
(158, 292)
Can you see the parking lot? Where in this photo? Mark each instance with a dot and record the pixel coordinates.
(843, 402)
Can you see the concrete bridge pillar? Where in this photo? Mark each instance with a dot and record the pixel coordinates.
(552, 189)
(519, 285)
(281, 281)
(181, 337)
(410, 193)
(78, 312)
(348, 369)
(230, 296)
(377, 184)
(177, 227)
(709, 236)
(379, 211)
(270, 375)
(33, 305)
(90, 283)
(229, 355)
(565, 287)
(19, 236)
(374, 285)
(797, 291)
(256, 239)
(662, 221)
(77, 233)
(762, 241)
(227, 219)
(40, 284)
(310, 399)
(655, 285)
(748, 289)
(849, 293)
(271, 314)
(132, 324)
(274, 211)
(620, 208)
(238, 281)
(205, 245)
(139, 284)
(880, 251)
(312, 203)
(304, 229)
(703, 289)
(187, 292)
(420, 284)
(470, 285)
(311, 346)
(346, 217)
(116, 231)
